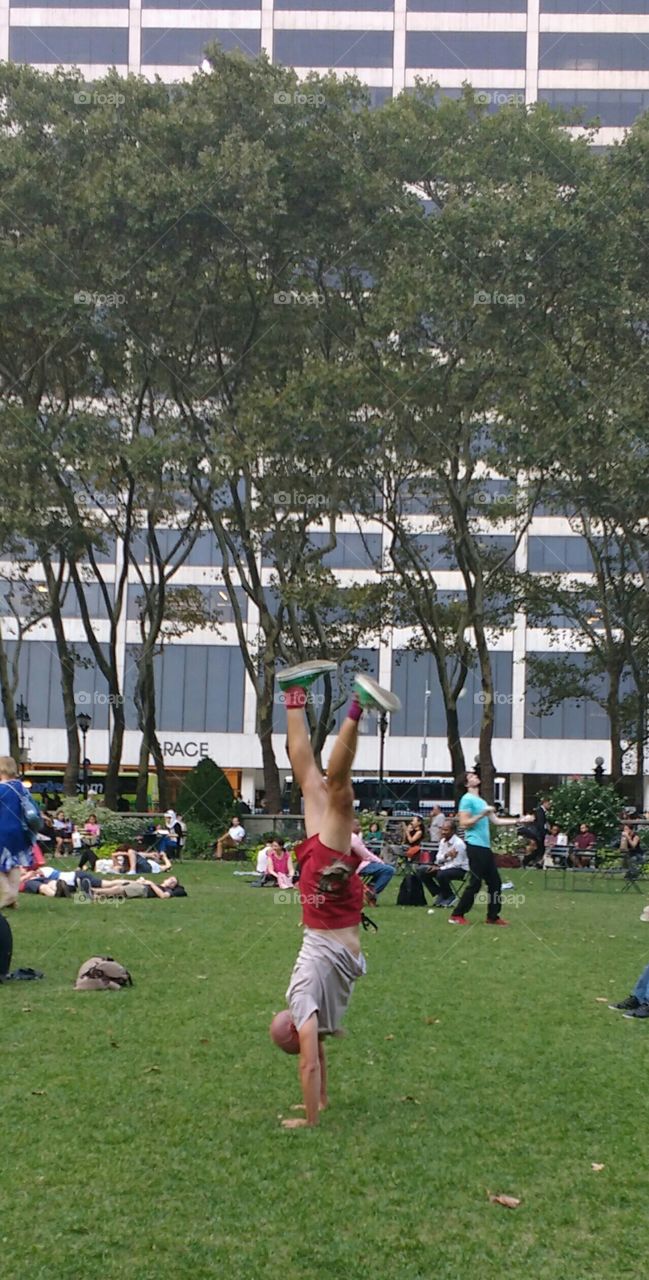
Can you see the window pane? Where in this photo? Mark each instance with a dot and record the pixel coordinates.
(69, 45)
(334, 48)
(465, 49)
(586, 52)
(613, 107)
(181, 48)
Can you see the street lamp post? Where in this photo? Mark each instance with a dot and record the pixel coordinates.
(84, 722)
(383, 724)
(424, 745)
(23, 716)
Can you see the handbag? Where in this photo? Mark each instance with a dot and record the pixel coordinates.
(32, 818)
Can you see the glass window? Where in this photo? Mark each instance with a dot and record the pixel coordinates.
(410, 674)
(178, 47)
(594, 6)
(199, 688)
(612, 106)
(216, 600)
(352, 551)
(465, 49)
(492, 99)
(467, 6)
(69, 4)
(192, 4)
(558, 555)
(69, 45)
(357, 5)
(40, 684)
(573, 718)
(334, 48)
(589, 52)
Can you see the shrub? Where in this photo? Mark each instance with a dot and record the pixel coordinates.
(586, 800)
(206, 797)
(199, 842)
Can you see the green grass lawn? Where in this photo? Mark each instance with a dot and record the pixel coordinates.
(141, 1136)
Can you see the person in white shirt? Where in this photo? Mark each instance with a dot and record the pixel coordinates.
(437, 821)
(233, 839)
(451, 863)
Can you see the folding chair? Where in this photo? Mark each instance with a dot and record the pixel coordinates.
(637, 871)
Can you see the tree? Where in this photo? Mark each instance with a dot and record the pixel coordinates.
(206, 796)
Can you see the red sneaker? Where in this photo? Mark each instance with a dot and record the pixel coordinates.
(457, 920)
(503, 923)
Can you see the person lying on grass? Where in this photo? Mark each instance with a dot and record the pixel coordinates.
(330, 891)
(141, 888)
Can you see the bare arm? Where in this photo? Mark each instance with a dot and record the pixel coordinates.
(311, 1069)
(159, 893)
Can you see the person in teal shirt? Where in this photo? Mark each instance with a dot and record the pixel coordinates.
(476, 818)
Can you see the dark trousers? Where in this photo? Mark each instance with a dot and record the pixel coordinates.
(6, 946)
(482, 866)
(88, 858)
(438, 883)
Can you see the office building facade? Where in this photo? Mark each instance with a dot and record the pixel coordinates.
(591, 54)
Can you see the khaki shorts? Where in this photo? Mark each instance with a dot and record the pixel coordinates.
(9, 886)
(322, 981)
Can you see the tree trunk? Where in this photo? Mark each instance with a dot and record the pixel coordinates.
(8, 703)
(615, 730)
(142, 789)
(115, 750)
(272, 786)
(641, 738)
(487, 770)
(455, 750)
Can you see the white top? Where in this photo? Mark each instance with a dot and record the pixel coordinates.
(436, 825)
(236, 833)
(452, 853)
(77, 840)
(262, 861)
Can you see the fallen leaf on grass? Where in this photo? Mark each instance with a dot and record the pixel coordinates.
(601, 999)
(26, 1008)
(114, 1044)
(148, 1069)
(598, 1167)
(389, 1037)
(409, 1098)
(510, 1202)
(202, 977)
(203, 1041)
(431, 1021)
(40, 1093)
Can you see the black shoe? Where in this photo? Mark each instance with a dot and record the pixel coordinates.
(631, 1002)
(642, 1011)
(62, 890)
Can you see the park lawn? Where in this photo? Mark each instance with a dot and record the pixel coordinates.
(141, 1136)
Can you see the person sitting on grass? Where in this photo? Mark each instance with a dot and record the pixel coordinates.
(279, 866)
(637, 1004)
(232, 839)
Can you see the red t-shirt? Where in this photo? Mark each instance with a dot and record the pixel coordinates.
(337, 910)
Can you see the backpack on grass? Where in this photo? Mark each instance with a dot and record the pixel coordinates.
(102, 973)
(411, 892)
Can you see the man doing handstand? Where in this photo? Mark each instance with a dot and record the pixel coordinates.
(331, 894)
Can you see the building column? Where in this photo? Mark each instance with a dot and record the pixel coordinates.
(532, 52)
(267, 28)
(135, 37)
(515, 793)
(399, 47)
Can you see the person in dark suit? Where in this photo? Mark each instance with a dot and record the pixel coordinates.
(536, 833)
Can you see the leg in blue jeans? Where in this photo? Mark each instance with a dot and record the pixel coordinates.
(641, 989)
(381, 875)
